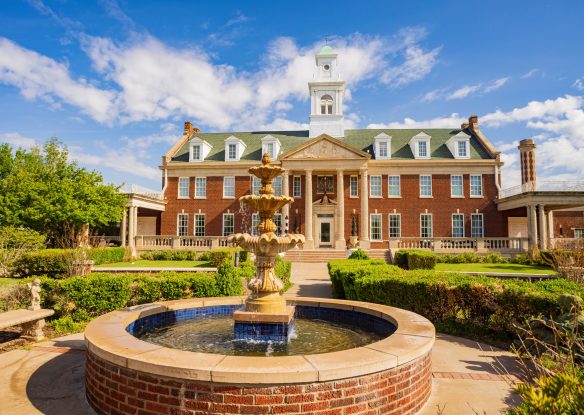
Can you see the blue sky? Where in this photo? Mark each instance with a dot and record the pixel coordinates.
(115, 80)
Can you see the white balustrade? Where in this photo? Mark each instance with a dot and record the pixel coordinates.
(456, 245)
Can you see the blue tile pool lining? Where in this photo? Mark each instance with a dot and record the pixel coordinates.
(334, 315)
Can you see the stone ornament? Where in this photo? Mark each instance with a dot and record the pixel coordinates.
(35, 294)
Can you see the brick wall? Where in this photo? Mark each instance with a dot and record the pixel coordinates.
(566, 221)
(410, 206)
(116, 390)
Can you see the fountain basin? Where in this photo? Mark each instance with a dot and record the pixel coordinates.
(125, 374)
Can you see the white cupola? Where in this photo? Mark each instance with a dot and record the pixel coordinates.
(326, 96)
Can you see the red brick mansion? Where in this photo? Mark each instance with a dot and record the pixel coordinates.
(437, 189)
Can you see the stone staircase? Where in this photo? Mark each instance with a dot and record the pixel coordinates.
(325, 255)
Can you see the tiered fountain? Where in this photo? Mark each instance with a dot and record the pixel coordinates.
(266, 316)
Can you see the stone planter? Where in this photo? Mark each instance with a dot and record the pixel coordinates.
(82, 267)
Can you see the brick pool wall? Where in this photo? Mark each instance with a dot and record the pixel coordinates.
(112, 389)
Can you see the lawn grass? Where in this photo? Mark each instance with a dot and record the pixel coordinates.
(500, 268)
(144, 263)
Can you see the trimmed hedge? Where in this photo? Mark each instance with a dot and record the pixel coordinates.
(415, 259)
(471, 258)
(489, 302)
(86, 297)
(170, 255)
(57, 262)
(358, 254)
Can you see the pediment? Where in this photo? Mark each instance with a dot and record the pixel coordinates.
(324, 147)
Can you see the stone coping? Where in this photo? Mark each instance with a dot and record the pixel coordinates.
(18, 317)
(107, 338)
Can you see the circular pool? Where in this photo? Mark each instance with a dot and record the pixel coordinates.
(390, 371)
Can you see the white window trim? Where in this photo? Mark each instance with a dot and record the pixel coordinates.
(453, 196)
(195, 224)
(380, 186)
(224, 195)
(240, 147)
(200, 152)
(452, 225)
(204, 149)
(382, 138)
(178, 223)
(294, 179)
(466, 142)
(470, 187)
(178, 196)
(389, 195)
(431, 186)
(389, 225)
(452, 145)
(223, 223)
(431, 228)
(200, 197)
(351, 196)
(482, 225)
(380, 227)
(415, 148)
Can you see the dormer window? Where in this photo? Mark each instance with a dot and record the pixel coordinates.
(272, 146)
(234, 148)
(459, 145)
(326, 105)
(382, 146)
(420, 145)
(198, 149)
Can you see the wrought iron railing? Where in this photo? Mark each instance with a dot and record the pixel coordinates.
(545, 186)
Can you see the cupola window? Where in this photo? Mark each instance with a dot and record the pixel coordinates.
(326, 104)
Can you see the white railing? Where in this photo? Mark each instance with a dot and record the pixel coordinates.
(196, 243)
(140, 190)
(545, 186)
(454, 245)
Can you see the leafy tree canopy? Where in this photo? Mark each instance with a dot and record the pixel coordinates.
(42, 190)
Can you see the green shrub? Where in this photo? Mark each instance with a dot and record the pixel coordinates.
(421, 260)
(283, 271)
(228, 279)
(50, 262)
(494, 258)
(243, 256)
(471, 258)
(66, 325)
(171, 285)
(358, 254)
(107, 255)
(476, 300)
(221, 256)
(170, 255)
(246, 270)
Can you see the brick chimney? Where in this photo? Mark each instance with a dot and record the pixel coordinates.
(527, 158)
(188, 128)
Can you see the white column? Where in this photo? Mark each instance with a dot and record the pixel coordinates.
(340, 243)
(542, 227)
(286, 208)
(550, 222)
(364, 234)
(308, 210)
(123, 226)
(131, 228)
(532, 227)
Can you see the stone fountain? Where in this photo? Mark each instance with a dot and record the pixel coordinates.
(265, 317)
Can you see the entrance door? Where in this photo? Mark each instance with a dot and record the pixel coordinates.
(326, 238)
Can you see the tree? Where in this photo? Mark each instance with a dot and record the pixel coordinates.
(42, 190)
(14, 243)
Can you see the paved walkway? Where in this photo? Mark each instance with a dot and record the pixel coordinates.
(47, 378)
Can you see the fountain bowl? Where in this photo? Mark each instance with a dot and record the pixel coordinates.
(125, 375)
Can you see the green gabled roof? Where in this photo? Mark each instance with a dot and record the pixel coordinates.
(360, 139)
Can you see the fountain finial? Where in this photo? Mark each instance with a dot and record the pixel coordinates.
(266, 160)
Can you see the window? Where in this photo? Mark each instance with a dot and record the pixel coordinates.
(476, 225)
(426, 186)
(326, 105)
(476, 186)
(201, 187)
(270, 150)
(255, 221)
(277, 185)
(200, 224)
(229, 186)
(228, 224)
(426, 225)
(255, 186)
(394, 186)
(353, 186)
(456, 186)
(232, 149)
(278, 223)
(375, 186)
(579, 233)
(183, 187)
(458, 225)
(461, 148)
(375, 227)
(297, 186)
(182, 224)
(324, 184)
(196, 149)
(394, 225)
(383, 149)
(422, 149)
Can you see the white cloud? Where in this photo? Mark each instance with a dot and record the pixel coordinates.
(579, 84)
(530, 73)
(463, 92)
(453, 121)
(282, 124)
(496, 84)
(39, 77)
(17, 140)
